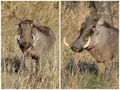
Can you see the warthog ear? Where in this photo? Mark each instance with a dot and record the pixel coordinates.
(14, 18)
(36, 22)
(35, 25)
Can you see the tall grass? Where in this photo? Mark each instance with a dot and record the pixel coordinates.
(72, 17)
(44, 13)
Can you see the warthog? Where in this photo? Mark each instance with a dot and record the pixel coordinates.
(34, 41)
(100, 39)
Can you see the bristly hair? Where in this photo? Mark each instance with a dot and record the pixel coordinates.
(43, 29)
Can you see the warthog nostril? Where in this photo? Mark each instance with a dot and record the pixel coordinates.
(25, 45)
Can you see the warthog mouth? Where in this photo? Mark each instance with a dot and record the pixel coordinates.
(84, 46)
(32, 52)
(25, 45)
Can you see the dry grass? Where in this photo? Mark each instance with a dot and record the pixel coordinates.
(45, 13)
(71, 77)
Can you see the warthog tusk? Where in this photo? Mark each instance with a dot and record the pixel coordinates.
(87, 44)
(33, 37)
(66, 44)
(18, 38)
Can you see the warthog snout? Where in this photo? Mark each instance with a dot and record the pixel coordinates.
(25, 45)
(75, 48)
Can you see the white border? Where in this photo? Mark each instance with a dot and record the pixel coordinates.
(119, 44)
(0, 45)
(59, 0)
(59, 44)
(59, 34)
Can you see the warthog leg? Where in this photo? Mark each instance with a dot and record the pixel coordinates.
(106, 72)
(109, 65)
(101, 68)
(22, 64)
(33, 53)
(110, 71)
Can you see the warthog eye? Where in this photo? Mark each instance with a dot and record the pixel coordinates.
(86, 39)
(93, 28)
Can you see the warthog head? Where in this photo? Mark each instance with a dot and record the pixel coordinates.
(25, 32)
(88, 35)
(26, 36)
